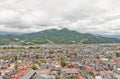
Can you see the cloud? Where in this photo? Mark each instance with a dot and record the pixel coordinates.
(91, 16)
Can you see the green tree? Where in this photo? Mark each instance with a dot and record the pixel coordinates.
(15, 58)
(37, 56)
(63, 63)
(117, 54)
(44, 61)
(34, 67)
(75, 54)
(92, 74)
(51, 52)
(72, 77)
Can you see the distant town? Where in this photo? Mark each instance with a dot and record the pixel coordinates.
(72, 61)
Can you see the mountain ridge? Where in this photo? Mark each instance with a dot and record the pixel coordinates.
(55, 36)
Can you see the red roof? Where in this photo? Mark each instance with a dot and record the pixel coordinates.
(22, 72)
(59, 59)
(116, 62)
(80, 76)
(88, 69)
(52, 68)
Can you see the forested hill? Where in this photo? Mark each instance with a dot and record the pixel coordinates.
(55, 36)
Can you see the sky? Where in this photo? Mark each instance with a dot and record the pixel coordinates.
(85, 16)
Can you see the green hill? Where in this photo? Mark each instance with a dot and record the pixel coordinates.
(54, 36)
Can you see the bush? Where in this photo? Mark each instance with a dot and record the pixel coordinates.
(118, 54)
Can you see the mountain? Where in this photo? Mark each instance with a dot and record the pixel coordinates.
(12, 33)
(55, 36)
(115, 36)
(110, 36)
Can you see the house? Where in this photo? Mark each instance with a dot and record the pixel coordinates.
(1, 77)
(45, 76)
(70, 71)
(29, 75)
(98, 77)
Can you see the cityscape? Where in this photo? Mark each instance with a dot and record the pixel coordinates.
(85, 61)
(59, 39)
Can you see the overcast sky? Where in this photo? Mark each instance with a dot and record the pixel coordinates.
(91, 16)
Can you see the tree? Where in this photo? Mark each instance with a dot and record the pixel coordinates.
(72, 77)
(44, 61)
(75, 54)
(34, 67)
(51, 52)
(37, 56)
(117, 54)
(92, 74)
(14, 59)
(63, 63)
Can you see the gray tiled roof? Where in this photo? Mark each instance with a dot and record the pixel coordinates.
(71, 70)
(28, 74)
(1, 77)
